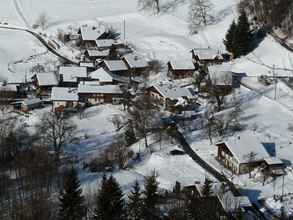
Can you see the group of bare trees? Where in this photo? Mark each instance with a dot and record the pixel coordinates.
(29, 162)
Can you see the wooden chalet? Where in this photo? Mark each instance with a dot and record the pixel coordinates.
(242, 152)
(170, 96)
(30, 104)
(64, 97)
(94, 54)
(71, 75)
(105, 44)
(221, 77)
(136, 65)
(44, 82)
(178, 69)
(102, 77)
(8, 93)
(89, 34)
(117, 67)
(94, 94)
(206, 56)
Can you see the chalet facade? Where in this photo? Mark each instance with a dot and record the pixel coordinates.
(44, 82)
(104, 44)
(171, 96)
(136, 65)
(242, 153)
(64, 97)
(89, 34)
(30, 104)
(71, 75)
(7, 93)
(99, 94)
(179, 69)
(206, 56)
(117, 67)
(94, 54)
(221, 77)
(102, 77)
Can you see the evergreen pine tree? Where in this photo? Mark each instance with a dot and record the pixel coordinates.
(207, 187)
(151, 196)
(243, 36)
(135, 203)
(129, 135)
(110, 203)
(230, 38)
(71, 199)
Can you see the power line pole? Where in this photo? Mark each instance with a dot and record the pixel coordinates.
(124, 29)
(275, 81)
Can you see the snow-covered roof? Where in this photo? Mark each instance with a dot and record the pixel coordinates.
(98, 89)
(207, 53)
(243, 144)
(91, 33)
(221, 74)
(172, 91)
(47, 79)
(64, 94)
(98, 53)
(8, 87)
(105, 43)
(31, 101)
(231, 202)
(101, 75)
(115, 65)
(85, 64)
(71, 73)
(185, 64)
(135, 61)
(273, 161)
(226, 197)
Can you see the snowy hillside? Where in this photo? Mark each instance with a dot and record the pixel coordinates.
(268, 110)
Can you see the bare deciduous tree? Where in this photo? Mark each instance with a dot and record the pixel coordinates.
(152, 5)
(56, 130)
(42, 20)
(199, 14)
(143, 115)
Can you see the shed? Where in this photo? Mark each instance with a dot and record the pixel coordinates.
(30, 104)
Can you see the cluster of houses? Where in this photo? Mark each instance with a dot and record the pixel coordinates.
(107, 69)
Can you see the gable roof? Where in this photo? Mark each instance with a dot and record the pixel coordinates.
(105, 43)
(115, 65)
(64, 94)
(8, 87)
(243, 144)
(47, 79)
(91, 32)
(221, 74)
(71, 73)
(207, 53)
(172, 91)
(98, 89)
(186, 64)
(101, 75)
(135, 61)
(98, 53)
(87, 64)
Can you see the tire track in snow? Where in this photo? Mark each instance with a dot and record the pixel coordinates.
(20, 13)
